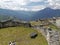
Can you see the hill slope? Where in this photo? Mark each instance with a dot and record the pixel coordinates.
(30, 15)
(21, 35)
(24, 15)
(47, 13)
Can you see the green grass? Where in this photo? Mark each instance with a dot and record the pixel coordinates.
(21, 35)
(53, 27)
(35, 23)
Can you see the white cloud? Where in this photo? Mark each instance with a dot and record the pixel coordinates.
(55, 4)
(19, 4)
(36, 0)
(37, 8)
(22, 2)
(16, 5)
(12, 4)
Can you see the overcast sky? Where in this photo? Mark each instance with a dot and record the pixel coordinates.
(29, 5)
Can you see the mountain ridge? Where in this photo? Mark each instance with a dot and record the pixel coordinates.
(47, 13)
(27, 15)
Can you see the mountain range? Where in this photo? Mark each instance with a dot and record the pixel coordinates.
(30, 15)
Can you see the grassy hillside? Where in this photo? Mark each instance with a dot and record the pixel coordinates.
(21, 35)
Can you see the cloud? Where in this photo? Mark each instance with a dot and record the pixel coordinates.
(37, 8)
(21, 2)
(55, 4)
(36, 0)
(29, 5)
(12, 4)
(20, 5)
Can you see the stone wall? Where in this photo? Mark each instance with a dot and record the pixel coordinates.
(52, 36)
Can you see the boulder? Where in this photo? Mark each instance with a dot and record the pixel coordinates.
(33, 35)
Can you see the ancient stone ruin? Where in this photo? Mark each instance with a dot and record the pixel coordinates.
(52, 37)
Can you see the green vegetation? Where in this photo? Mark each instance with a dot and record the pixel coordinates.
(35, 23)
(53, 27)
(21, 35)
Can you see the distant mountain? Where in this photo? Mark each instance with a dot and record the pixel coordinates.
(29, 15)
(4, 17)
(47, 13)
(23, 15)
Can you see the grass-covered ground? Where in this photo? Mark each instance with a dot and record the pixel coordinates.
(35, 23)
(21, 35)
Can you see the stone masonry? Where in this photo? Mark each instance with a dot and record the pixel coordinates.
(53, 37)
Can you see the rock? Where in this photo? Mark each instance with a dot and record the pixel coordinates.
(33, 35)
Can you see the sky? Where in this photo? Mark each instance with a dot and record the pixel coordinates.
(29, 5)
